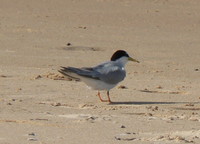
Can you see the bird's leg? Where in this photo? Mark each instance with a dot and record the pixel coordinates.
(99, 95)
(109, 100)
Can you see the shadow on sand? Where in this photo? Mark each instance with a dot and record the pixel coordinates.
(149, 103)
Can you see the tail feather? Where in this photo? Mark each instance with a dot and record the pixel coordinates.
(69, 73)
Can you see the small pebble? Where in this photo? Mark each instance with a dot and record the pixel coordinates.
(32, 139)
(31, 134)
(117, 138)
(122, 87)
(4, 76)
(156, 107)
(38, 77)
(123, 126)
(149, 114)
(159, 87)
(69, 44)
(83, 27)
(56, 104)
(19, 89)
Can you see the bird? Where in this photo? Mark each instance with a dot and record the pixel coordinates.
(104, 76)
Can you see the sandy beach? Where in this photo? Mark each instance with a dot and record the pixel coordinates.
(157, 103)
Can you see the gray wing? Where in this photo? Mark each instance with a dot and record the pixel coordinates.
(109, 72)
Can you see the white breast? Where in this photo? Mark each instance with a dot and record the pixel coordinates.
(97, 84)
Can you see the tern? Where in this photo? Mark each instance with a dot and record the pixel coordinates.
(104, 76)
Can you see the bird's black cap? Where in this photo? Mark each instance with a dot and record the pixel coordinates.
(118, 54)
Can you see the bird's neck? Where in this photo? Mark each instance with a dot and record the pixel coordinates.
(122, 61)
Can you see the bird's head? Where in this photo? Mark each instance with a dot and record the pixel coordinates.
(121, 55)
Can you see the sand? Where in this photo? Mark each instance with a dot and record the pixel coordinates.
(157, 103)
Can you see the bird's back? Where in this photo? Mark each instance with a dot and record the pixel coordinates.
(110, 72)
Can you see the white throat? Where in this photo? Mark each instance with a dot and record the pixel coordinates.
(122, 61)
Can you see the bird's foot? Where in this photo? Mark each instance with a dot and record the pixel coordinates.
(102, 100)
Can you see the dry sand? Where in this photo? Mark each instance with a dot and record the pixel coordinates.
(161, 102)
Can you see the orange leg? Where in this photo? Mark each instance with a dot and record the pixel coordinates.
(102, 99)
(109, 100)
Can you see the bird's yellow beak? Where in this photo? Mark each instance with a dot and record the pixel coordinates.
(134, 60)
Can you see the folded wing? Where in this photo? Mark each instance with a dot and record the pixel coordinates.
(78, 73)
(107, 72)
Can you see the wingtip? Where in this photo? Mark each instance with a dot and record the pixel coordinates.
(61, 71)
(62, 67)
